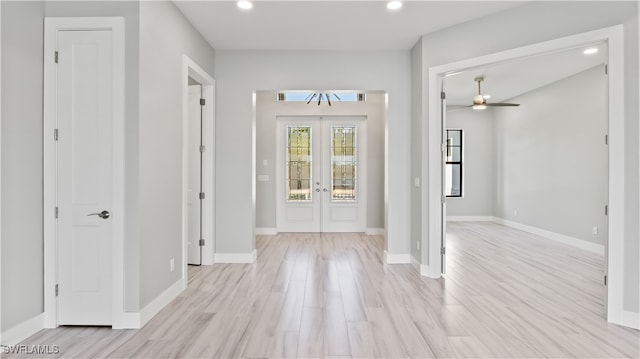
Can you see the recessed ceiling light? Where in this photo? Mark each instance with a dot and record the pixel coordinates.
(590, 51)
(245, 5)
(394, 5)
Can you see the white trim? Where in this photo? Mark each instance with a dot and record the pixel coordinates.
(571, 241)
(431, 148)
(237, 257)
(391, 258)
(0, 171)
(190, 68)
(22, 331)
(161, 301)
(130, 320)
(51, 27)
(631, 319)
(420, 268)
(266, 231)
(374, 232)
(470, 218)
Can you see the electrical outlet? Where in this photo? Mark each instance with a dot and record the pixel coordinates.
(595, 229)
(418, 244)
(172, 264)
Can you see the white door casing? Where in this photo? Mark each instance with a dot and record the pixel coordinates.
(193, 70)
(320, 208)
(84, 171)
(193, 183)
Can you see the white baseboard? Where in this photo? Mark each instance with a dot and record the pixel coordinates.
(396, 258)
(264, 231)
(130, 320)
(153, 308)
(22, 331)
(374, 231)
(470, 218)
(571, 241)
(237, 257)
(631, 319)
(423, 269)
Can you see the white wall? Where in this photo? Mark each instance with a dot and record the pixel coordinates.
(479, 164)
(552, 157)
(268, 108)
(22, 224)
(165, 35)
(567, 18)
(240, 73)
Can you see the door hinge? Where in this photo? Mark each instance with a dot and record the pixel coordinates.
(55, 134)
(443, 95)
(606, 139)
(443, 251)
(56, 212)
(201, 243)
(201, 195)
(202, 102)
(605, 280)
(55, 57)
(606, 69)
(202, 148)
(443, 199)
(56, 290)
(606, 210)
(443, 147)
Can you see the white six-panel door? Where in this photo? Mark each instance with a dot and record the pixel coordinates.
(84, 181)
(321, 174)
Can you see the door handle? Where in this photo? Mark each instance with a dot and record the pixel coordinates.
(325, 190)
(103, 214)
(317, 189)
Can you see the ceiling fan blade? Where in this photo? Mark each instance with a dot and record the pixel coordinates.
(311, 99)
(457, 108)
(502, 104)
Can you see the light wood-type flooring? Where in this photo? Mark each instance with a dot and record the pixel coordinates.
(507, 294)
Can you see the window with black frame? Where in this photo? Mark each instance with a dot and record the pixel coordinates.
(453, 164)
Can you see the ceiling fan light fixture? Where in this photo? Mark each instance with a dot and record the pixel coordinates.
(479, 107)
(478, 100)
(394, 5)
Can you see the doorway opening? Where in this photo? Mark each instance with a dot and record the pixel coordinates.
(615, 130)
(198, 174)
(320, 168)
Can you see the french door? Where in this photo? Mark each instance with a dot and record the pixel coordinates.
(321, 174)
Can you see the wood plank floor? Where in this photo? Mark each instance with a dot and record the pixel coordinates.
(507, 294)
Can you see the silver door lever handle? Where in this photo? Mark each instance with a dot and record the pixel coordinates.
(103, 214)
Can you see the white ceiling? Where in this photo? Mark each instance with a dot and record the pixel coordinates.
(513, 78)
(364, 25)
(328, 25)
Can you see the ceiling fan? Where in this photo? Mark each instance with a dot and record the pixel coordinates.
(480, 102)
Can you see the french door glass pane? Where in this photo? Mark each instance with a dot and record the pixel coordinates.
(343, 163)
(299, 163)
